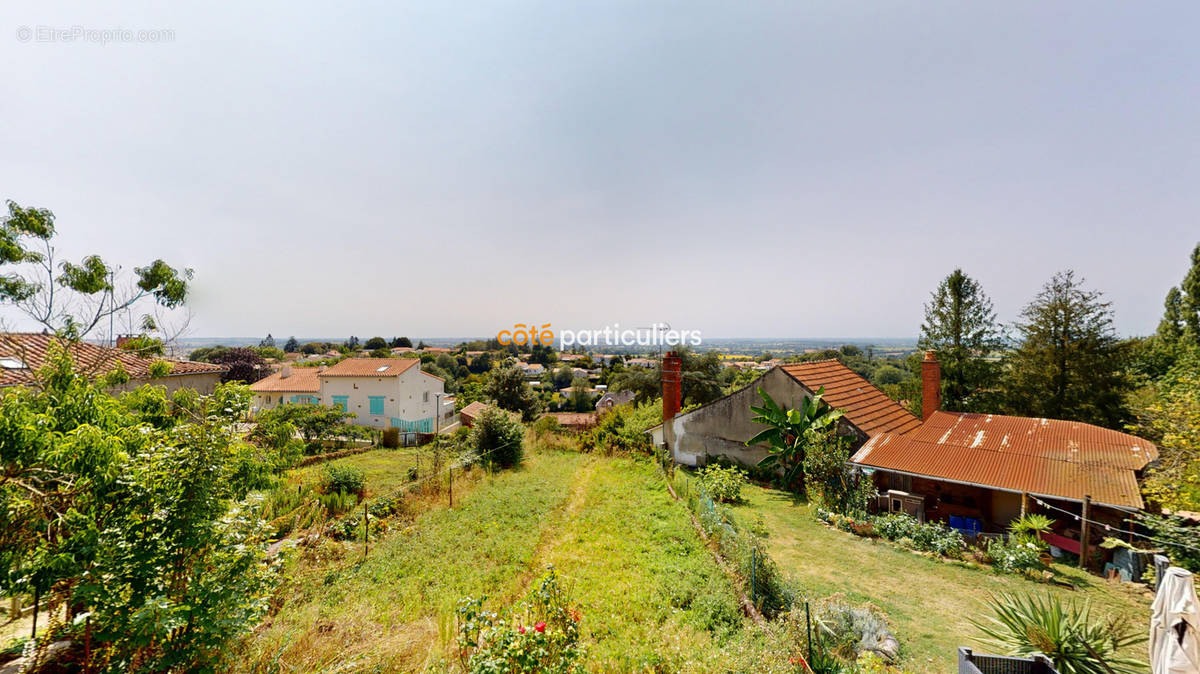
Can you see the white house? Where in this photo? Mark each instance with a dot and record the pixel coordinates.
(379, 392)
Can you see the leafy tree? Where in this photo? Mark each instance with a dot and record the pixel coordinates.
(498, 439)
(646, 384)
(375, 343)
(830, 483)
(351, 344)
(481, 363)
(48, 291)
(144, 345)
(317, 424)
(581, 399)
(789, 432)
(1167, 411)
(205, 354)
(1170, 329)
(1191, 299)
(268, 342)
(270, 352)
(506, 386)
(130, 511)
(562, 377)
(543, 354)
(291, 346)
(422, 345)
(245, 365)
(1069, 364)
(398, 342)
(960, 325)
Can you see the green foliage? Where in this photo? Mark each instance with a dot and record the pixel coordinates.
(723, 483)
(317, 424)
(1178, 539)
(1168, 412)
(829, 482)
(345, 479)
(1190, 303)
(926, 536)
(547, 424)
(497, 439)
(1018, 554)
(93, 475)
(506, 386)
(1170, 329)
(1066, 633)
(623, 429)
(1031, 526)
(789, 432)
(960, 325)
(541, 634)
(160, 368)
(144, 345)
(1069, 364)
(850, 631)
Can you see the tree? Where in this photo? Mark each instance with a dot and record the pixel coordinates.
(422, 345)
(317, 423)
(375, 343)
(506, 386)
(84, 475)
(245, 365)
(144, 345)
(398, 342)
(291, 346)
(498, 439)
(788, 433)
(543, 354)
(481, 363)
(960, 325)
(1170, 329)
(70, 298)
(1191, 298)
(562, 377)
(268, 342)
(581, 398)
(1069, 364)
(351, 344)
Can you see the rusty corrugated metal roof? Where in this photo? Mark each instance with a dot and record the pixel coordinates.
(1048, 457)
(868, 408)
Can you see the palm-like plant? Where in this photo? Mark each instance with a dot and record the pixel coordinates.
(1065, 633)
(788, 432)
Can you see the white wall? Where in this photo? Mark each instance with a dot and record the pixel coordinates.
(410, 396)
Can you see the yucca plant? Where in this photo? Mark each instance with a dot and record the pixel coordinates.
(788, 431)
(1065, 633)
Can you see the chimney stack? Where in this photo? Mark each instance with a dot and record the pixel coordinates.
(672, 385)
(285, 372)
(931, 385)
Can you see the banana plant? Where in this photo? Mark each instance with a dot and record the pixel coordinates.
(788, 431)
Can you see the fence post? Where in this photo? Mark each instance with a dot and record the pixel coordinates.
(366, 532)
(808, 626)
(451, 485)
(753, 574)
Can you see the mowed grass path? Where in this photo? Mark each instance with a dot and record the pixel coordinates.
(652, 597)
(930, 602)
(383, 613)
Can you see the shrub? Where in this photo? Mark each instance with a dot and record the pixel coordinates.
(1014, 555)
(539, 635)
(623, 429)
(829, 482)
(345, 479)
(497, 439)
(928, 536)
(1065, 633)
(390, 438)
(723, 483)
(547, 424)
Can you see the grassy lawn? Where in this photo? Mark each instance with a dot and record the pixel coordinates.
(384, 469)
(390, 611)
(929, 602)
(651, 595)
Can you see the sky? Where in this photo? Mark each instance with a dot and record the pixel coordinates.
(760, 169)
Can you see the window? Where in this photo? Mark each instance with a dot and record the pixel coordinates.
(342, 402)
(426, 398)
(376, 404)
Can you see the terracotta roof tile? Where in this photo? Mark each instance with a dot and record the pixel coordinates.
(301, 379)
(370, 367)
(1047, 457)
(868, 408)
(30, 349)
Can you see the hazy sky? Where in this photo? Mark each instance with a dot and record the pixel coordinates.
(745, 169)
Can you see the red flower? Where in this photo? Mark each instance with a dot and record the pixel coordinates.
(521, 629)
(540, 627)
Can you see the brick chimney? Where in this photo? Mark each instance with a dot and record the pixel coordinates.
(672, 385)
(931, 385)
(285, 372)
(122, 340)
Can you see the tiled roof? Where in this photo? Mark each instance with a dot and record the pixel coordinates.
(29, 348)
(1061, 459)
(473, 410)
(302, 379)
(370, 367)
(868, 408)
(575, 419)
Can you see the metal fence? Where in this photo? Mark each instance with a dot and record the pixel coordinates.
(978, 663)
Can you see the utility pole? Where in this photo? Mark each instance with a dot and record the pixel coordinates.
(451, 485)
